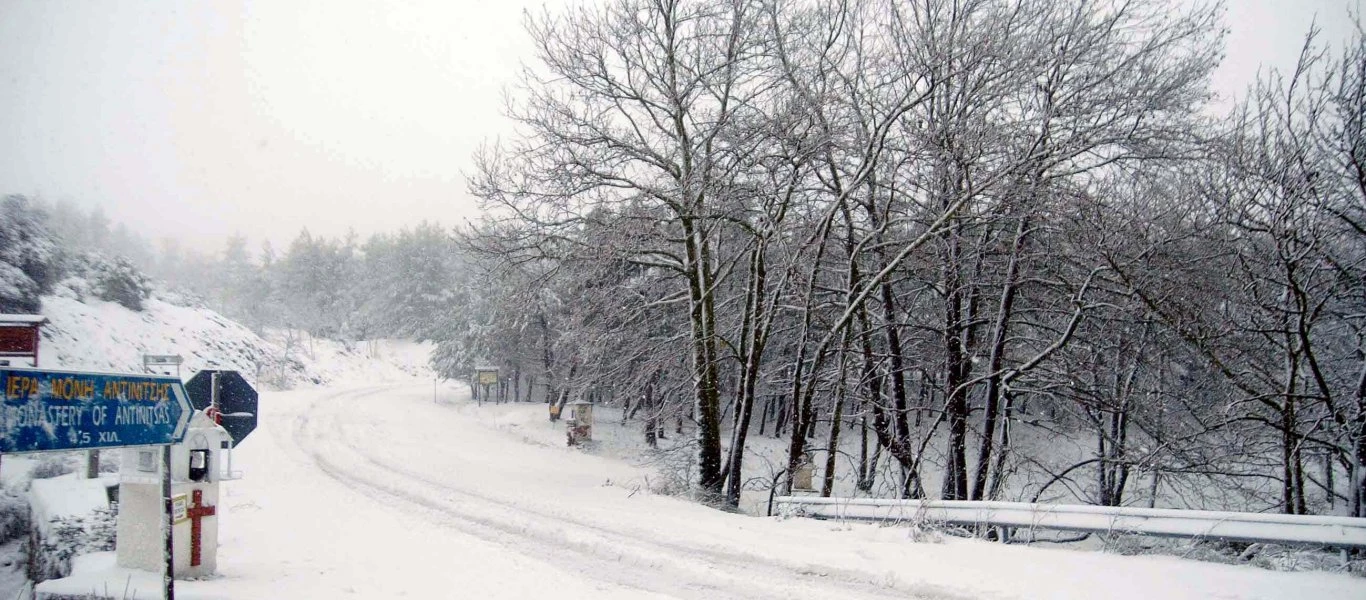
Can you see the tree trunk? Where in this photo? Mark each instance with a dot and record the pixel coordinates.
(780, 420)
(652, 412)
(832, 445)
(1288, 491)
(956, 376)
(765, 413)
(706, 402)
(997, 360)
(900, 414)
(753, 341)
(865, 470)
(1357, 471)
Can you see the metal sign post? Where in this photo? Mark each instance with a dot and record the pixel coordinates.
(167, 524)
(213, 395)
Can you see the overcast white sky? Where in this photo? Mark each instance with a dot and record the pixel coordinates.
(203, 119)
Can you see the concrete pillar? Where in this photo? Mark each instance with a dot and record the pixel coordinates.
(139, 543)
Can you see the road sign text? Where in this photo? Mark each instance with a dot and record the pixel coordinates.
(57, 410)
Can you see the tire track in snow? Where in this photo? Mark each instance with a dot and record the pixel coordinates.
(615, 556)
(309, 437)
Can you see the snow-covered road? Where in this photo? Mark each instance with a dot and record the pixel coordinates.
(379, 492)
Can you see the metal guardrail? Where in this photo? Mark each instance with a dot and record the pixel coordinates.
(1337, 532)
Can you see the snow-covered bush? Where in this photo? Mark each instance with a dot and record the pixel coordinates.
(69, 537)
(124, 284)
(13, 516)
(117, 280)
(674, 471)
(1272, 557)
(53, 464)
(925, 532)
(18, 292)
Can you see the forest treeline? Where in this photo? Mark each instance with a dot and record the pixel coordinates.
(949, 230)
(389, 285)
(942, 225)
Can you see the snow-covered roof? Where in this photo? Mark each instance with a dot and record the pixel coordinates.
(22, 319)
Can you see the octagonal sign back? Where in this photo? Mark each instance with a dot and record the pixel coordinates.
(237, 401)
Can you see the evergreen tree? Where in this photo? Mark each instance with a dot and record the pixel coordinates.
(29, 259)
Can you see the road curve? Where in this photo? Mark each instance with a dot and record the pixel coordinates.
(348, 437)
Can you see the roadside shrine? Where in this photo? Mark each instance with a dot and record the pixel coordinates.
(173, 457)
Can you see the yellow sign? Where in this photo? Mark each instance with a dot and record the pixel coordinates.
(180, 508)
(488, 377)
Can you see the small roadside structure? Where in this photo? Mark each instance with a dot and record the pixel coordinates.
(196, 472)
(579, 426)
(19, 337)
(802, 476)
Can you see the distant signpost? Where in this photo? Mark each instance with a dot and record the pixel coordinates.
(488, 375)
(151, 362)
(46, 410)
(485, 377)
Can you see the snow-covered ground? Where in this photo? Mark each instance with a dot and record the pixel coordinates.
(95, 335)
(406, 491)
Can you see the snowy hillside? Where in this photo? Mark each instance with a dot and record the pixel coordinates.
(98, 335)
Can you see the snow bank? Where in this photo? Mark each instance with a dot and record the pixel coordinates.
(67, 496)
(70, 517)
(97, 575)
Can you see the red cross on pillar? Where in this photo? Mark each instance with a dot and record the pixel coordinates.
(196, 514)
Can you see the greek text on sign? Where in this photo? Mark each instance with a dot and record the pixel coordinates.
(63, 410)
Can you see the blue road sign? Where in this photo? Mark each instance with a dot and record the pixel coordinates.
(66, 410)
